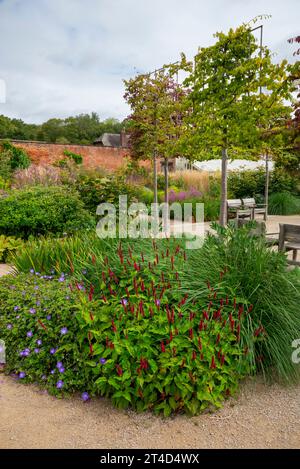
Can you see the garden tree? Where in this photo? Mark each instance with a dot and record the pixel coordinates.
(157, 103)
(228, 112)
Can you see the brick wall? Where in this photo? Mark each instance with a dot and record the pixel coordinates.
(93, 156)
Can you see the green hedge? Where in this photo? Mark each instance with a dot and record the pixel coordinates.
(42, 210)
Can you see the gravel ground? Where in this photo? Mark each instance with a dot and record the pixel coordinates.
(261, 417)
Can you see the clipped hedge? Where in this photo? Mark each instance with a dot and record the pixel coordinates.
(42, 210)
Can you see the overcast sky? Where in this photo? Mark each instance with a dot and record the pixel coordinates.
(65, 57)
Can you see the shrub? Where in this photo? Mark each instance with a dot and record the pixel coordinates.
(145, 195)
(242, 266)
(74, 156)
(18, 156)
(283, 203)
(94, 191)
(130, 337)
(246, 183)
(42, 210)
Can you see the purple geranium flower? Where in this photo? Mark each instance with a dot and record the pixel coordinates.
(59, 364)
(32, 311)
(48, 317)
(59, 384)
(36, 350)
(61, 278)
(32, 271)
(39, 342)
(102, 361)
(157, 302)
(44, 377)
(85, 396)
(52, 372)
(9, 326)
(29, 334)
(22, 374)
(124, 301)
(16, 308)
(38, 303)
(63, 331)
(18, 317)
(36, 287)
(61, 369)
(53, 350)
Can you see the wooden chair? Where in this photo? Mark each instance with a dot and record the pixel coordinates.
(235, 206)
(256, 208)
(289, 240)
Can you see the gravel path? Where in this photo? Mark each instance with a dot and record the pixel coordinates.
(262, 417)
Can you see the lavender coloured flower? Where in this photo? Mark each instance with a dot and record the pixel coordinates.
(16, 308)
(102, 361)
(61, 279)
(29, 334)
(85, 397)
(44, 377)
(48, 317)
(32, 311)
(36, 350)
(157, 302)
(32, 271)
(52, 351)
(63, 331)
(22, 374)
(9, 326)
(59, 384)
(124, 301)
(59, 364)
(18, 317)
(52, 372)
(39, 342)
(61, 369)
(36, 287)
(38, 303)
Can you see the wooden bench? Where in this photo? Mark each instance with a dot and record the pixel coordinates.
(257, 209)
(235, 206)
(289, 240)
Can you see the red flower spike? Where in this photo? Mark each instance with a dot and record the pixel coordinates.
(218, 339)
(194, 355)
(250, 308)
(191, 333)
(142, 256)
(91, 292)
(213, 363)
(201, 325)
(227, 300)
(208, 285)
(162, 347)
(91, 316)
(42, 324)
(199, 343)
(222, 360)
(93, 259)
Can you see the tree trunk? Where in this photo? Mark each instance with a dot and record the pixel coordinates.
(223, 208)
(155, 176)
(166, 171)
(267, 187)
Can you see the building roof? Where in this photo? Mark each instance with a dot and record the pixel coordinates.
(239, 165)
(112, 140)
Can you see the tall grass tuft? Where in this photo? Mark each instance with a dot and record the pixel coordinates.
(283, 203)
(189, 179)
(242, 266)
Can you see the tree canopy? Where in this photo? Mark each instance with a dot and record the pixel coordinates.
(81, 129)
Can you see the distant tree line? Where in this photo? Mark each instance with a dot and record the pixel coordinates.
(82, 129)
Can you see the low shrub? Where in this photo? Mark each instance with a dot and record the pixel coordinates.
(42, 210)
(283, 203)
(94, 191)
(18, 158)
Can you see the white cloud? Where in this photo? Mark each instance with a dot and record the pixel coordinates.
(61, 58)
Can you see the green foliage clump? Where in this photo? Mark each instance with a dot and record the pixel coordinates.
(74, 156)
(283, 203)
(96, 190)
(246, 183)
(18, 157)
(42, 210)
(242, 266)
(8, 245)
